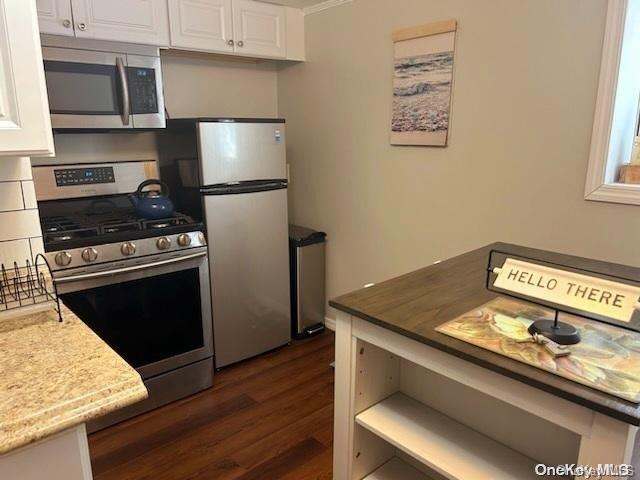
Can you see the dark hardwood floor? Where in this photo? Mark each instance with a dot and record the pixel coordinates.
(267, 418)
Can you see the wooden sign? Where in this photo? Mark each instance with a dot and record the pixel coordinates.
(590, 294)
(422, 84)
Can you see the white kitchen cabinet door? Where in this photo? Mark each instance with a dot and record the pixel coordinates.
(132, 21)
(205, 25)
(259, 29)
(25, 124)
(54, 17)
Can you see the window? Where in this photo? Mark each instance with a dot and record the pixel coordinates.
(616, 113)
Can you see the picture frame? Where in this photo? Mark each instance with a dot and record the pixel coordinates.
(423, 84)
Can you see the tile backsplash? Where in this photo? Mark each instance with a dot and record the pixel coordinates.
(20, 234)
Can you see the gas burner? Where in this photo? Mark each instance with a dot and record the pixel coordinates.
(120, 227)
(174, 221)
(59, 238)
(161, 224)
(64, 234)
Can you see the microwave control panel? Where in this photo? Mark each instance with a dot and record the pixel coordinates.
(83, 176)
(143, 90)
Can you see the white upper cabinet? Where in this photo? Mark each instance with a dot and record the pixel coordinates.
(54, 17)
(131, 21)
(25, 125)
(232, 27)
(259, 29)
(205, 25)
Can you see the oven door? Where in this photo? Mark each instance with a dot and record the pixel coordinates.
(87, 89)
(157, 316)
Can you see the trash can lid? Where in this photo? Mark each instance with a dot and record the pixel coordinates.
(302, 236)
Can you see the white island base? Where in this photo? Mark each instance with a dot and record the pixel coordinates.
(63, 456)
(404, 410)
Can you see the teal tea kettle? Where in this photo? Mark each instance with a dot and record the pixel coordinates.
(152, 205)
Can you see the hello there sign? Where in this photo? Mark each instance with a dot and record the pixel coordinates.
(590, 294)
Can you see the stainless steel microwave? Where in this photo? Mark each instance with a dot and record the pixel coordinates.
(91, 89)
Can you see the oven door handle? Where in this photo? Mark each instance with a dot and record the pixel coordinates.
(108, 273)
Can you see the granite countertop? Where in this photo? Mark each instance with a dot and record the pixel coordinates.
(54, 376)
(415, 304)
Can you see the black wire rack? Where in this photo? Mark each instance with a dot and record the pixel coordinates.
(26, 285)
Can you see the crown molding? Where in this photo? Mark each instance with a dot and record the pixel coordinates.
(319, 7)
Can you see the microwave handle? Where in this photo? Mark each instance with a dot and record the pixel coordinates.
(126, 106)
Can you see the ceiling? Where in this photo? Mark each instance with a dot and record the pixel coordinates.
(295, 3)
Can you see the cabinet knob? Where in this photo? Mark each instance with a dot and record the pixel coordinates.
(66, 23)
(82, 26)
(241, 43)
(230, 43)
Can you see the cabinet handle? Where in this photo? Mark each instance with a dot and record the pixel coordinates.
(230, 43)
(241, 43)
(82, 26)
(66, 23)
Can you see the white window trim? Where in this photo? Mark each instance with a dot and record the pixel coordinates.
(617, 106)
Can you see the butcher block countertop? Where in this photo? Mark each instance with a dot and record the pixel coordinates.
(54, 376)
(415, 304)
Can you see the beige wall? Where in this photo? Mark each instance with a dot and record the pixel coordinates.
(209, 86)
(525, 85)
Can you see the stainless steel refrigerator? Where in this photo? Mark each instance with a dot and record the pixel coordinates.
(244, 194)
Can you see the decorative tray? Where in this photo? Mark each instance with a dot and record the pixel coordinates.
(606, 359)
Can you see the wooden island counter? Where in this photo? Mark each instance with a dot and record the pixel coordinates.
(411, 402)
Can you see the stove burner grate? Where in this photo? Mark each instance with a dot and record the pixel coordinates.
(83, 226)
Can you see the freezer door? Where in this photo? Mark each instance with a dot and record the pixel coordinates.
(249, 264)
(234, 152)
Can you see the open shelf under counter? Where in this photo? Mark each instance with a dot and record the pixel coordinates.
(442, 444)
(396, 469)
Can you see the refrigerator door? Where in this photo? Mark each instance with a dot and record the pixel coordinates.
(234, 151)
(249, 264)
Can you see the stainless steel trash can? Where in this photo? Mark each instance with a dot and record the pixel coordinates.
(307, 272)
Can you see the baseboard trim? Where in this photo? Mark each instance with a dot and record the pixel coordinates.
(330, 323)
(319, 7)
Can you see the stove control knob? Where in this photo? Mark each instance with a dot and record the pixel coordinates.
(89, 254)
(163, 243)
(128, 248)
(201, 237)
(184, 240)
(63, 259)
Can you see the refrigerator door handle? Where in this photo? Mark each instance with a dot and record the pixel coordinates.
(250, 186)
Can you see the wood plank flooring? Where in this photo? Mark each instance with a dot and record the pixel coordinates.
(267, 418)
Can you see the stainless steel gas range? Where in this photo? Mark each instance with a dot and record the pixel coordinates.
(141, 285)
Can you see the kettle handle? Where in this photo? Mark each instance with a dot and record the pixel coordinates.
(153, 181)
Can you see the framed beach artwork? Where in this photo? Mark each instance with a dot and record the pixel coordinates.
(422, 84)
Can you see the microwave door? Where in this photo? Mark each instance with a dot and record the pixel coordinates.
(145, 86)
(87, 89)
